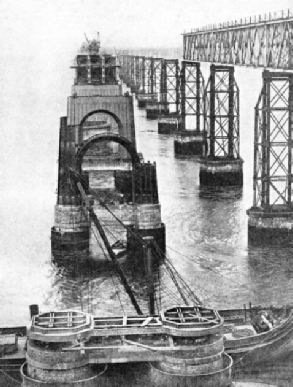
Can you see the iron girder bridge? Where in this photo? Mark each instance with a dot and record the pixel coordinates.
(258, 41)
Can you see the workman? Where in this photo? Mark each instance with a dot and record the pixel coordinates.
(262, 322)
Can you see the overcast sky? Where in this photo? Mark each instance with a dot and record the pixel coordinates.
(35, 24)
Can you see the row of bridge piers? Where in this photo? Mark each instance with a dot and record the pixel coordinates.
(205, 120)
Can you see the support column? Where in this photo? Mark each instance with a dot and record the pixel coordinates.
(48, 362)
(146, 212)
(147, 93)
(206, 365)
(221, 164)
(71, 231)
(156, 107)
(133, 70)
(170, 96)
(191, 138)
(270, 219)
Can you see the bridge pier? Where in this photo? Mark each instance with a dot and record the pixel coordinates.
(158, 106)
(48, 364)
(170, 93)
(183, 344)
(270, 219)
(205, 366)
(146, 213)
(71, 230)
(96, 93)
(221, 165)
(191, 138)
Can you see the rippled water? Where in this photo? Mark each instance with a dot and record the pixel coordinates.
(206, 228)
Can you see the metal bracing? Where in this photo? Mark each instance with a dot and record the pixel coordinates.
(170, 84)
(132, 70)
(155, 75)
(147, 75)
(192, 96)
(263, 41)
(272, 181)
(128, 69)
(140, 73)
(222, 113)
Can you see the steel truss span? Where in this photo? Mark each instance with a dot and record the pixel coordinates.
(273, 141)
(262, 41)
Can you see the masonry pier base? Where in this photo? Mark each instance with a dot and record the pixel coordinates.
(221, 172)
(167, 125)
(147, 222)
(143, 99)
(190, 143)
(206, 365)
(134, 237)
(48, 362)
(156, 109)
(71, 231)
(273, 227)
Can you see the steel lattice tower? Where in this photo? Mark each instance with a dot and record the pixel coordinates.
(192, 96)
(271, 217)
(221, 164)
(222, 113)
(170, 84)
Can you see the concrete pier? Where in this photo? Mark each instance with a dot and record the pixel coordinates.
(190, 143)
(168, 125)
(144, 98)
(156, 109)
(48, 362)
(184, 345)
(205, 366)
(221, 172)
(97, 104)
(273, 227)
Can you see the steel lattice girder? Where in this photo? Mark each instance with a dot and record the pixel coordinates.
(192, 95)
(272, 181)
(170, 82)
(222, 113)
(262, 44)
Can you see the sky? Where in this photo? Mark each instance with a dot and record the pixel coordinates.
(35, 24)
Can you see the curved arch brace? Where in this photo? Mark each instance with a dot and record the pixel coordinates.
(108, 112)
(107, 136)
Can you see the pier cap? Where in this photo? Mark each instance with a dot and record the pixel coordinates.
(62, 326)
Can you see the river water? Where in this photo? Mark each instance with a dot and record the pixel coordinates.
(206, 229)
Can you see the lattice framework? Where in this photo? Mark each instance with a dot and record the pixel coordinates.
(273, 142)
